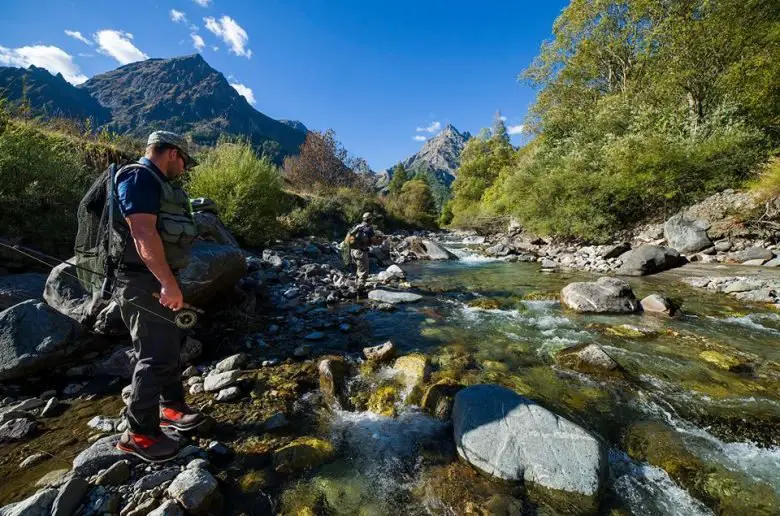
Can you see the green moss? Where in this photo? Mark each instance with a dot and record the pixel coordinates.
(382, 401)
(302, 454)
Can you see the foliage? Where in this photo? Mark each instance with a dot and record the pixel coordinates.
(246, 188)
(44, 172)
(440, 192)
(331, 215)
(322, 165)
(399, 178)
(643, 107)
(415, 204)
(768, 183)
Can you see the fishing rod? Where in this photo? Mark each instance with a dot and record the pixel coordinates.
(184, 319)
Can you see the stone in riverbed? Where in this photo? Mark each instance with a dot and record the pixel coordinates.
(32, 460)
(219, 381)
(382, 353)
(386, 296)
(167, 508)
(754, 263)
(511, 437)
(16, 288)
(117, 474)
(333, 374)
(657, 304)
(751, 253)
(230, 363)
(192, 488)
(613, 251)
(16, 429)
(70, 496)
(412, 369)
(605, 295)
(229, 394)
(302, 454)
(687, 235)
(773, 263)
(588, 358)
(100, 455)
(38, 504)
(650, 259)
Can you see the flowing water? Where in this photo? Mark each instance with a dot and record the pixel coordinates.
(686, 434)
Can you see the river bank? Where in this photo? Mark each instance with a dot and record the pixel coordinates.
(693, 414)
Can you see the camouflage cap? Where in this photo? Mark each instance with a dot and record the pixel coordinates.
(174, 140)
(367, 216)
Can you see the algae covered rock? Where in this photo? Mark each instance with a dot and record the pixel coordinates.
(383, 400)
(511, 437)
(412, 369)
(302, 454)
(588, 358)
(605, 295)
(720, 360)
(440, 397)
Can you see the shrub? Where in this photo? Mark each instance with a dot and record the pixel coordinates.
(332, 216)
(414, 204)
(246, 188)
(767, 186)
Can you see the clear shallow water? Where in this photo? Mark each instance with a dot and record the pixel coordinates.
(714, 414)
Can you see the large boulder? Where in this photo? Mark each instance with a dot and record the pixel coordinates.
(588, 358)
(425, 249)
(650, 259)
(605, 295)
(16, 288)
(38, 504)
(100, 455)
(65, 293)
(211, 228)
(213, 270)
(687, 235)
(511, 437)
(393, 298)
(34, 337)
(751, 253)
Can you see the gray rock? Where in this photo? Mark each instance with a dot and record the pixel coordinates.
(28, 404)
(548, 264)
(605, 295)
(773, 263)
(32, 460)
(649, 259)
(687, 235)
(613, 251)
(16, 429)
(194, 380)
(69, 497)
(155, 479)
(393, 298)
(275, 422)
(231, 363)
(168, 508)
(116, 474)
(723, 246)
(228, 394)
(762, 295)
(315, 335)
(8, 415)
(38, 504)
(511, 437)
(213, 269)
(394, 271)
(382, 353)
(34, 337)
(198, 463)
(658, 304)
(211, 228)
(587, 358)
(751, 253)
(218, 381)
(755, 263)
(190, 372)
(333, 374)
(17, 288)
(100, 455)
(499, 250)
(197, 389)
(102, 423)
(302, 351)
(55, 478)
(190, 350)
(67, 295)
(192, 488)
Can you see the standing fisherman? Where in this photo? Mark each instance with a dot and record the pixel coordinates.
(158, 216)
(359, 240)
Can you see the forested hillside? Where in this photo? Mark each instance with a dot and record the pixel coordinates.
(642, 107)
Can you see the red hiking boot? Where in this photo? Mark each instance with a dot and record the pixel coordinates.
(181, 417)
(151, 448)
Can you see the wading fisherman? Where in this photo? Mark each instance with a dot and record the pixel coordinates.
(158, 216)
(360, 238)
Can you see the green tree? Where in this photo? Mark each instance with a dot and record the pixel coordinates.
(499, 131)
(400, 177)
(415, 204)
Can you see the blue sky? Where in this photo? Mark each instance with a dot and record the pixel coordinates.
(375, 72)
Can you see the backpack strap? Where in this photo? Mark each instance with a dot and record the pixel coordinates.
(137, 166)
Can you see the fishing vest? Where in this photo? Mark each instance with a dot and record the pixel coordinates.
(362, 233)
(175, 223)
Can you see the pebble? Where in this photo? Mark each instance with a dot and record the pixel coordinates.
(198, 463)
(117, 474)
(155, 479)
(228, 394)
(194, 380)
(270, 363)
(196, 389)
(102, 423)
(190, 372)
(192, 489)
(33, 459)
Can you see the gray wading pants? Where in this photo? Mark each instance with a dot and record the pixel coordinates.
(156, 346)
(360, 258)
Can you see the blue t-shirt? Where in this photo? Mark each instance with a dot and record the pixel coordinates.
(138, 191)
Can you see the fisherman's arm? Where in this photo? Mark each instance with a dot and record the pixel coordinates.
(143, 228)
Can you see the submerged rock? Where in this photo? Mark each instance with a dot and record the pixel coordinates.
(302, 454)
(333, 375)
(382, 353)
(657, 304)
(650, 259)
(588, 358)
(511, 437)
(393, 298)
(412, 369)
(439, 398)
(606, 295)
(383, 400)
(751, 253)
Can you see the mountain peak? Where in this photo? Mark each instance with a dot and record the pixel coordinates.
(440, 154)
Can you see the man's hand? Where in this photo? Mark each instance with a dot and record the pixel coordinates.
(171, 297)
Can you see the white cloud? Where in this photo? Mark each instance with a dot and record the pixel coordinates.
(515, 129)
(53, 59)
(419, 138)
(503, 118)
(435, 126)
(203, 3)
(244, 91)
(178, 16)
(117, 44)
(197, 41)
(80, 54)
(77, 35)
(215, 48)
(231, 33)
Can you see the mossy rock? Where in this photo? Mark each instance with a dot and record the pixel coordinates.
(485, 303)
(439, 398)
(383, 400)
(725, 491)
(303, 454)
(720, 360)
(253, 481)
(589, 358)
(537, 295)
(494, 365)
(412, 369)
(627, 331)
